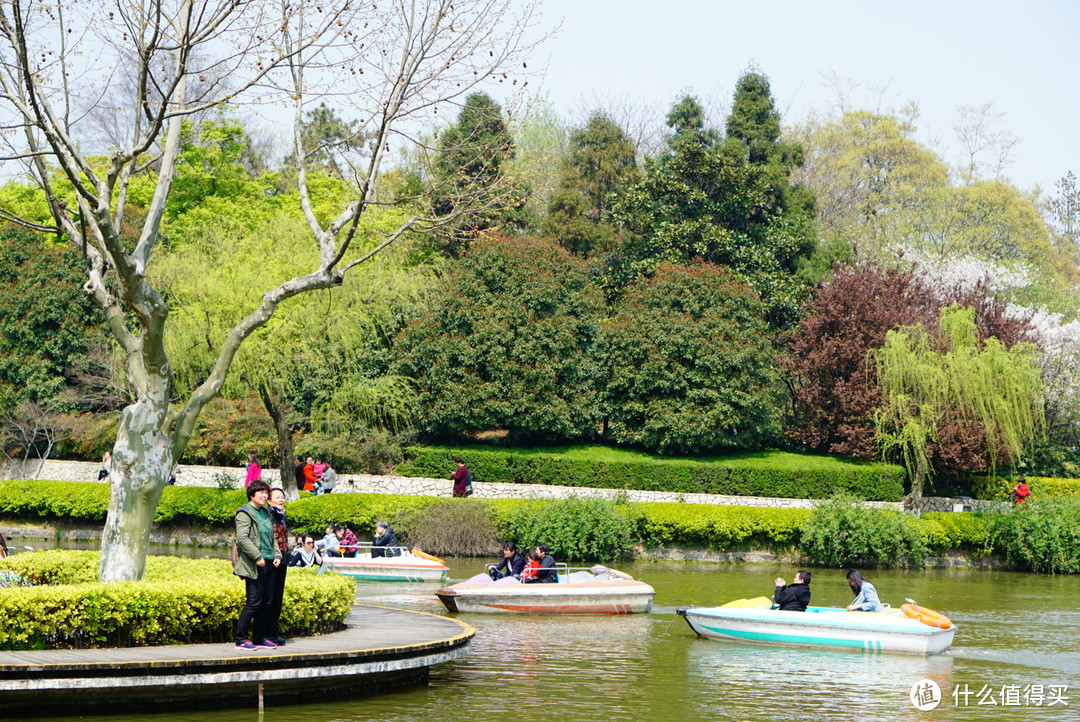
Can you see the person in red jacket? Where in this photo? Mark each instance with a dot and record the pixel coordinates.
(309, 475)
(1021, 490)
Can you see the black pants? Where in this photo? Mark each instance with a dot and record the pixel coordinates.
(256, 612)
(273, 626)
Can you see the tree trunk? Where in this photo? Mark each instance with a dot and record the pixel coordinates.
(917, 482)
(274, 401)
(141, 462)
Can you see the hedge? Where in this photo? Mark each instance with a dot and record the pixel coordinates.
(777, 474)
(179, 601)
(90, 501)
(656, 524)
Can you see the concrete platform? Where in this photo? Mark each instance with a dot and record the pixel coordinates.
(381, 648)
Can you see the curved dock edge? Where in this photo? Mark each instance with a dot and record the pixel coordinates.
(381, 648)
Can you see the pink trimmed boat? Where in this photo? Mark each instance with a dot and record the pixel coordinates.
(580, 592)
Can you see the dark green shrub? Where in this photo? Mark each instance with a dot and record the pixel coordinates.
(179, 601)
(575, 529)
(843, 532)
(765, 474)
(454, 527)
(1043, 536)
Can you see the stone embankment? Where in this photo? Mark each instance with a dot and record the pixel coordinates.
(418, 486)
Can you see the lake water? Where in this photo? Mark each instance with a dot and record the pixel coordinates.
(1016, 632)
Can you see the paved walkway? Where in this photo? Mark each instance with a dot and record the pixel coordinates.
(379, 649)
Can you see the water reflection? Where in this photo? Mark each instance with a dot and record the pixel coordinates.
(1012, 629)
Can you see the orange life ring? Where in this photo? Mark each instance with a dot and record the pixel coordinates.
(927, 616)
(424, 555)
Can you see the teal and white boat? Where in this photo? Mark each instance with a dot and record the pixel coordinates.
(752, 621)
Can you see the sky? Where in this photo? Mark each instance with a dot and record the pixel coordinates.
(1023, 57)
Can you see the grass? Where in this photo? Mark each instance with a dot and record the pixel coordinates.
(768, 459)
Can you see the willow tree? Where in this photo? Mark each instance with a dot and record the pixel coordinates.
(157, 63)
(926, 377)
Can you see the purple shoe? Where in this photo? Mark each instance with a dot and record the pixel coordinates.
(265, 644)
(246, 644)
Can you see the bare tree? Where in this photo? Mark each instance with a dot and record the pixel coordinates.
(396, 58)
(32, 429)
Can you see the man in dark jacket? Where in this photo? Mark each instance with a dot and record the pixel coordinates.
(547, 573)
(384, 537)
(298, 473)
(793, 597)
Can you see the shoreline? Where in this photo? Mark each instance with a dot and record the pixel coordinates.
(192, 537)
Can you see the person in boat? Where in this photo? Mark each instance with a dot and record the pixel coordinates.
(533, 565)
(384, 537)
(511, 565)
(546, 574)
(866, 598)
(794, 597)
(1021, 490)
(329, 543)
(349, 544)
(307, 555)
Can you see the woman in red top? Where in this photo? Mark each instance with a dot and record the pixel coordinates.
(1021, 490)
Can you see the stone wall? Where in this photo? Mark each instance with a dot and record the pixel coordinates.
(418, 486)
(415, 486)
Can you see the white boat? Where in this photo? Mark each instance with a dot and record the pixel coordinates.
(409, 565)
(578, 592)
(752, 620)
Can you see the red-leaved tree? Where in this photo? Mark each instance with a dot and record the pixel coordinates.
(833, 387)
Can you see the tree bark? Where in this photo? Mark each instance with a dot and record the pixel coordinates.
(141, 463)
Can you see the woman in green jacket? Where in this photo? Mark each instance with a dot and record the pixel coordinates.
(257, 558)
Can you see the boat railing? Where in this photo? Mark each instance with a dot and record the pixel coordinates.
(363, 548)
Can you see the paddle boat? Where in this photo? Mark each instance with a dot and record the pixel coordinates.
(911, 629)
(407, 565)
(596, 590)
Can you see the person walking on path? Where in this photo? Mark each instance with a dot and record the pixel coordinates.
(254, 471)
(460, 477)
(276, 508)
(257, 557)
(310, 482)
(298, 473)
(106, 466)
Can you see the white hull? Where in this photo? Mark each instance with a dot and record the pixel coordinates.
(615, 596)
(404, 568)
(820, 627)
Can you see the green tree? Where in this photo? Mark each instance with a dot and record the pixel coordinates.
(508, 343)
(706, 199)
(691, 364)
(183, 62)
(46, 322)
(469, 181)
(599, 167)
(925, 378)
